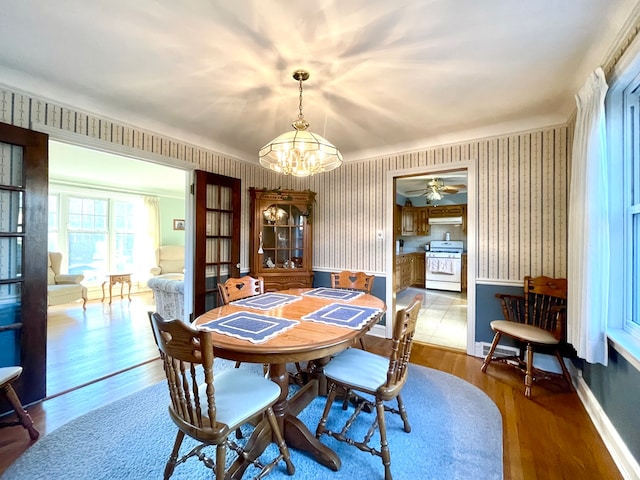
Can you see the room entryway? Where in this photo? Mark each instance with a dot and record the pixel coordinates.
(443, 317)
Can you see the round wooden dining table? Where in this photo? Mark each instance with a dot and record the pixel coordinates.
(306, 340)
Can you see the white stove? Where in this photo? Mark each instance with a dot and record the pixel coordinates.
(445, 249)
(443, 265)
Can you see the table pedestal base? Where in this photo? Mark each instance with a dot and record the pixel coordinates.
(296, 434)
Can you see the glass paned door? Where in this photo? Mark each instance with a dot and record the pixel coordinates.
(11, 279)
(23, 258)
(217, 237)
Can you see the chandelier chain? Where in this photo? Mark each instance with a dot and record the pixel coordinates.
(300, 115)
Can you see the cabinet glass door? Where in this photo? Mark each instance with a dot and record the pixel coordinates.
(282, 236)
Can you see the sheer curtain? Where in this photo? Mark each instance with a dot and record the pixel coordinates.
(152, 238)
(588, 236)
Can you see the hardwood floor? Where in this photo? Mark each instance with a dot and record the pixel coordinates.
(97, 342)
(547, 437)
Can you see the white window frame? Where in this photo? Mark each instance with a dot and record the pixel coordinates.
(631, 199)
(64, 192)
(623, 137)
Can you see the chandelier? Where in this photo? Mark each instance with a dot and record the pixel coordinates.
(300, 152)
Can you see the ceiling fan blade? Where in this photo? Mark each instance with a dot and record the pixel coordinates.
(453, 188)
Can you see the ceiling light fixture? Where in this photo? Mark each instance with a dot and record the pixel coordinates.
(300, 153)
(435, 188)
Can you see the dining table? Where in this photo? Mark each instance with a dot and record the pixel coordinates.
(289, 327)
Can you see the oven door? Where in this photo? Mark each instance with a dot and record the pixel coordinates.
(443, 273)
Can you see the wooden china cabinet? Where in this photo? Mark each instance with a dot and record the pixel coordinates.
(281, 238)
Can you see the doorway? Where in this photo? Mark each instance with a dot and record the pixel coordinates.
(447, 317)
(85, 346)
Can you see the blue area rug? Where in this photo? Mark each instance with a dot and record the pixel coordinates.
(456, 434)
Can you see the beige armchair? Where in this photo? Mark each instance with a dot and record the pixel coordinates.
(63, 288)
(169, 261)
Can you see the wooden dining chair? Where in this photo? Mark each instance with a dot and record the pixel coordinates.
(8, 375)
(348, 280)
(377, 376)
(239, 288)
(209, 410)
(536, 320)
(352, 281)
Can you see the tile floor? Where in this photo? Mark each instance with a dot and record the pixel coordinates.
(442, 319)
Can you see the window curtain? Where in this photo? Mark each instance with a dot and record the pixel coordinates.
(152, 206)
(588, 235)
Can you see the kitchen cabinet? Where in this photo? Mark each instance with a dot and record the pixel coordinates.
(281, 238)
(409, 270)
(403, 271)
(409, 224)
(463, 273)
(422, 221)
(444, 211)
(415, 221)
(447, 211)
(397, 220)
(417, 269)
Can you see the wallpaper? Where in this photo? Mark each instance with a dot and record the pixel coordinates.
(521, 184)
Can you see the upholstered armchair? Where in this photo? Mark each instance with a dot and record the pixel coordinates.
(63, 288)
(169, 295)
(169, 261)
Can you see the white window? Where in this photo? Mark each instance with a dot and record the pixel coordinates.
(97, 233)
(632, 209)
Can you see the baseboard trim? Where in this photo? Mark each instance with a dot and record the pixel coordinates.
(627, 464)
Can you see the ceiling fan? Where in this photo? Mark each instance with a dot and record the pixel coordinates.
(436, 188)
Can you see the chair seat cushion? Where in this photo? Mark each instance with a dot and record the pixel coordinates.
(524, 332)
(239, 395)
(8, 374)
(360, 369)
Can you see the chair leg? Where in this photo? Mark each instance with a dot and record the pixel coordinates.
(282, 446)
(221, 455)
(23, 416)
(384, 445)
(528, 376)
(403, 414)
(322, 424)
(489, 357)
(565, 372)
(171, 463)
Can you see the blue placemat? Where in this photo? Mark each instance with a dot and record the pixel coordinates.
(254, 327)
(333, 293)
(341, 315)
(267, 301)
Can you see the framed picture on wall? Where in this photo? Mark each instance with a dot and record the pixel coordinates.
(178, 224)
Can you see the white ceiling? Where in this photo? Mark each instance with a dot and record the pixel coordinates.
(415, 186)
(78, 166)
(385, 77)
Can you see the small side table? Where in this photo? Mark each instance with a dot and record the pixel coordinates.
(114, 279)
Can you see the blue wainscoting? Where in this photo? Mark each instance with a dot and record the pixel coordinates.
(488, 308)
(617, 389)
